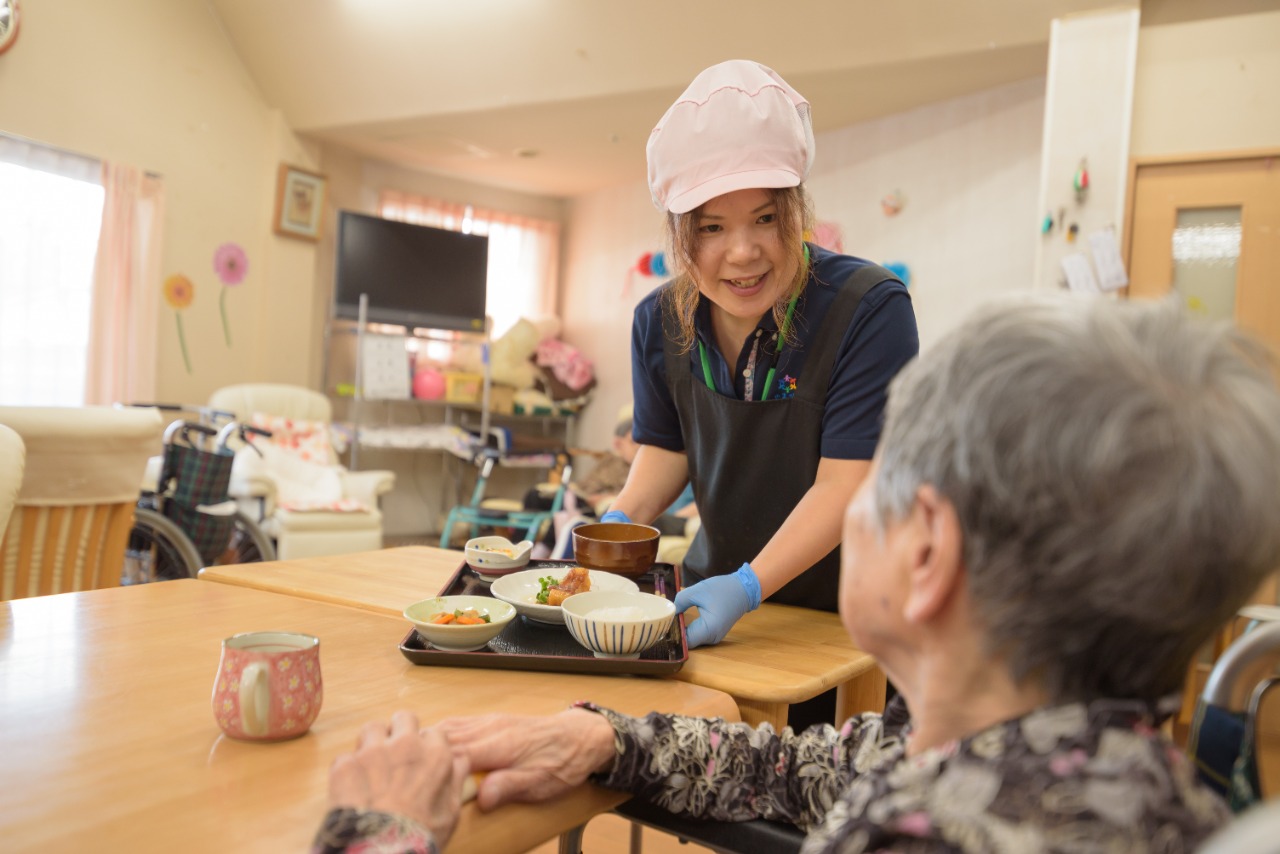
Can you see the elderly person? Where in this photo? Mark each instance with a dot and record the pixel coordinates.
(1069, 498)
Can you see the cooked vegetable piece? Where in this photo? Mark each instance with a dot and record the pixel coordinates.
(577, 580)
(467, 617)
(546, 581)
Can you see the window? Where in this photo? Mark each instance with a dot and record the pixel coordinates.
(524, 253)
(50, 216)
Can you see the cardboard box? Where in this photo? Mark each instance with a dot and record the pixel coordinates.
(502, 399)
(463, 388)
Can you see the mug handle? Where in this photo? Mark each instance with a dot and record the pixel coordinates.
(255, 698)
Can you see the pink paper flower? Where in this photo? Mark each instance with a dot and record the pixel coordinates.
(230, 263)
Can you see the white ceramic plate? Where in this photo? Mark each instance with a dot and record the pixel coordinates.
(521, 590)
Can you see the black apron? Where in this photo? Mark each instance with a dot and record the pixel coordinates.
(752, 461)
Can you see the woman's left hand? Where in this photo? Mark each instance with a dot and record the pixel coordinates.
(531, 759)
(397, 769)
(721, 601)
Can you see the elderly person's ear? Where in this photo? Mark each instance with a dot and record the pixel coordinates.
(934, 549)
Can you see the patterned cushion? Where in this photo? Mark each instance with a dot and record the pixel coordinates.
(307, 441)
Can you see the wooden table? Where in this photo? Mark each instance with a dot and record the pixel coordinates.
(108, 742)
(775, 656)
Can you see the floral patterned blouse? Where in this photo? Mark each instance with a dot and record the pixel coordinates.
(1070, 778)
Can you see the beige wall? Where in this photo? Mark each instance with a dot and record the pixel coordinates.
(155, 84)
(1206, 85)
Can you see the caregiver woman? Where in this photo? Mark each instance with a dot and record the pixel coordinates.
(759, 372)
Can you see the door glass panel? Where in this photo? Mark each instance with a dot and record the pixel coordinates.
(1206, 250)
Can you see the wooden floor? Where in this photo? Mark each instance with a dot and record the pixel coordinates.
(611, 834)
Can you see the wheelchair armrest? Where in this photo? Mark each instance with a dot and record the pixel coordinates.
(367, 486)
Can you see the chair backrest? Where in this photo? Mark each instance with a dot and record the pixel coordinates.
(13, 459)
(74, 511)
(290, 401)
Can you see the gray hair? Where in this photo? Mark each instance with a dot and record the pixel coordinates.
(1114, 468)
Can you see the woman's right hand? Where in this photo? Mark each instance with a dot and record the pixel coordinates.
(531, 759)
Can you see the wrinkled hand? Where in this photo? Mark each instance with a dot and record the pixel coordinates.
(531, 759)
(397, 769)
(615, 516)
(721, 601)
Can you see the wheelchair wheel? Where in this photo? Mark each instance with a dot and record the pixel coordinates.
(158, 550)
(249, 543)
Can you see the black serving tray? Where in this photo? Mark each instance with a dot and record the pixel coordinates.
(529, 645)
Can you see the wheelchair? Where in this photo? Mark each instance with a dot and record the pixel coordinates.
(185, 519)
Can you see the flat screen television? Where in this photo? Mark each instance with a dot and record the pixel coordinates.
(414, 275)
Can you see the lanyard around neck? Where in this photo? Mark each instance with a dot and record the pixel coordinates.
(768, 380)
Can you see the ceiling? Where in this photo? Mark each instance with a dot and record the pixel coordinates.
(557, 97)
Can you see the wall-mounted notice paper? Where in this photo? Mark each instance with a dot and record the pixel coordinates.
(1079, 273)
(1106, 259)
(385, 366)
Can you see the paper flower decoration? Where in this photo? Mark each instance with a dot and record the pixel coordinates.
(179, 293)
(828, 235)
(901, 270)
(893, 203)
(231, 265)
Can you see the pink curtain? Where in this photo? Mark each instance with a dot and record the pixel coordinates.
(524, 252)
(126, 289)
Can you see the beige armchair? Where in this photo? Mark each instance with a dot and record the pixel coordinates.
(13, 460)
(74, 510)
(308, 503)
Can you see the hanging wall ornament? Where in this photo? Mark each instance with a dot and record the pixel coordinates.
(901, 270)
(1080, 181)
(828, 235)
(650, 264)
(893, 203)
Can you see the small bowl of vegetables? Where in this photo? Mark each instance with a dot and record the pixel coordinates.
(460, 623)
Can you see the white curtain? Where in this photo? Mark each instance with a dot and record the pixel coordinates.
(50, 213)
(524, 253)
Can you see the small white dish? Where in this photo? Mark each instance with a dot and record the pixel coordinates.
(618, 625)
(494, 557)
(451, 636)
(521, 589)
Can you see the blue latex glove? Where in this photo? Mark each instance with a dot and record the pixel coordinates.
(614, 516)
(721, 601)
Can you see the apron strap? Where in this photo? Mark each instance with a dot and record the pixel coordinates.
(815, 377)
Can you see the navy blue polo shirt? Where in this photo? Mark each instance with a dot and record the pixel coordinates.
(881, 339)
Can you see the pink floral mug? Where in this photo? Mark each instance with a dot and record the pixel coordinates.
(268, 685)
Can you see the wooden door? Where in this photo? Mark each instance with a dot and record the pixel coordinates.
(1208, 230)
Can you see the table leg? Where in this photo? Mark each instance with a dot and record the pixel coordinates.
(756, 712)
(863, 693)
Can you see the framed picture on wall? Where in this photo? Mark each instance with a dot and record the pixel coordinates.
(299, 203)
